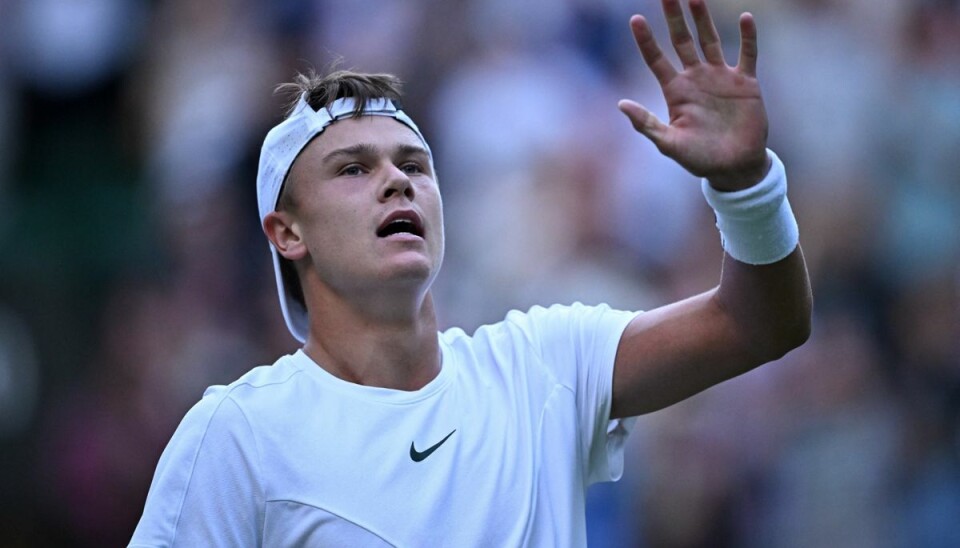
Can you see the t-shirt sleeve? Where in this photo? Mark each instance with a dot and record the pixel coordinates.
(205, 491)
(578, 343)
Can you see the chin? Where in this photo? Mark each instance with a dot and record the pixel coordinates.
(409, 271)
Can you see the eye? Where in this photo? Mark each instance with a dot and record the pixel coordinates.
(411, 168)
(351, 170)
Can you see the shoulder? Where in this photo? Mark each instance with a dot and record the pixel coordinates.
(264, 382)
(539, 325)
(264, 377)
(539, 320)
(224, 416)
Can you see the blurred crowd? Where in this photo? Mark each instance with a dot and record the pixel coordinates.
(133, 272)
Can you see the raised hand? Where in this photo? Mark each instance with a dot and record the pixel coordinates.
(718, 125)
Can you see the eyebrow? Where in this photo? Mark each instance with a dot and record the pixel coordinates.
(367, 149)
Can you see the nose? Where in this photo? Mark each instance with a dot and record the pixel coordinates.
(396, 182)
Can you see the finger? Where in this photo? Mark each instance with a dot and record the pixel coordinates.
(707, 33)
(643, 121)
(652, 54)
(748, 45)
(680, 34)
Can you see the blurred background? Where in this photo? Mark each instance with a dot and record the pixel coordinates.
(133, 272)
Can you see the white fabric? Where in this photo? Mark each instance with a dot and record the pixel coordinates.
(756, 224)
(290, 455)
(281, 147)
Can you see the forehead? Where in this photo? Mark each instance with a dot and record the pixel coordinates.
(383, 132)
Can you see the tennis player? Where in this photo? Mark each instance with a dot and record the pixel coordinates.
(382, 431)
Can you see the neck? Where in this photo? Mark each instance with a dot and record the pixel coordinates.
(389, 345)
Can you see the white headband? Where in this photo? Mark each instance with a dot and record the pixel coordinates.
(281, 147)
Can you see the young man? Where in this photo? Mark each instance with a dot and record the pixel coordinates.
(382, 432)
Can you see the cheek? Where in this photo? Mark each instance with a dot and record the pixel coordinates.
(328, 227)
(430, 196)
(436, 210)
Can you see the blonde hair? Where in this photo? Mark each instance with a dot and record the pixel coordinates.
(321, 90)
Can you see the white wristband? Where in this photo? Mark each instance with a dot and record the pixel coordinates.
(756, 224)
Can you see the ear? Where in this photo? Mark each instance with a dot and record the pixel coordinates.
(284, 233)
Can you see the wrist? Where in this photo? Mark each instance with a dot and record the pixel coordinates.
(756, 223)
(742, 179)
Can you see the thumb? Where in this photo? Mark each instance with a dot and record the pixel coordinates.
(643, 120)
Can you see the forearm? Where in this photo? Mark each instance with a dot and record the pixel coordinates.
(758, 313)
(764, 288)
(769, 305)
(755, 315)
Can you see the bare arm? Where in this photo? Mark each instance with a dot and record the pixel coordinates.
(717, 130)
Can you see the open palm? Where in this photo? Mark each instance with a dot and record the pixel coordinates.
(718, 125)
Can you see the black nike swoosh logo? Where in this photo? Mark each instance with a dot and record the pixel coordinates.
(418, 456)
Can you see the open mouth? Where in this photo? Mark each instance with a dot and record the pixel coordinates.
(401, 222)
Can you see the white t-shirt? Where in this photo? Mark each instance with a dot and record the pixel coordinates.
(497, 450)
